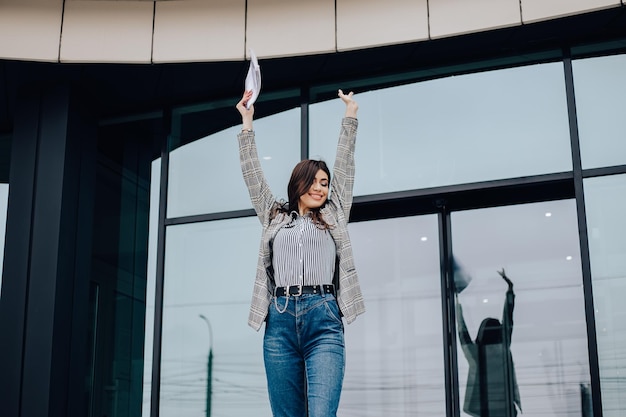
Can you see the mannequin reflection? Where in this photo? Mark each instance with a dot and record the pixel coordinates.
(492, 389)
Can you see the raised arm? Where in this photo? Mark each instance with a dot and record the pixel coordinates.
(509, 305)
(343, 171)
(260, 194)
(464, 337)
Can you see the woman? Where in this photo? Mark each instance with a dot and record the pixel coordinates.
(305, 278)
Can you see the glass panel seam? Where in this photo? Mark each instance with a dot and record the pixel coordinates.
(210, 217)
(583, 236)
(429, 193)
(447, 304)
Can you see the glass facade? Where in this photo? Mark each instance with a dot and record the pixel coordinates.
(118, 281)
(205, 176)
(205, 310)
(600, 101)
(488, 228)
(394, 352)
(454, 134)
(525, 344)
(605, 199)
(5, 158)
(455, 130)
(4, 199)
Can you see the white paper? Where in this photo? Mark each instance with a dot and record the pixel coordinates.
(253, 79)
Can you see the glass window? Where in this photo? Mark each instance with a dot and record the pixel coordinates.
(151, 285)
(394, 352)
(525, 345)
(462, 129)
(205, 177)
(4, 200)
(600, 101)
(117, 303)
(209, 274)
(5, 158)
(605, 202)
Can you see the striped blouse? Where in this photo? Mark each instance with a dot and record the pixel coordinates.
(303, 254)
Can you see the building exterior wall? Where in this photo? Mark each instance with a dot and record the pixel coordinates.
(221, 33)
(221, 30)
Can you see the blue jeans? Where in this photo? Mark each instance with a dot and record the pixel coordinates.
(304, 355)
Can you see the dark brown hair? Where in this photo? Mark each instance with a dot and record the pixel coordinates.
(302, 177)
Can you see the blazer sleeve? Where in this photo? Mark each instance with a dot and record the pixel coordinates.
(342, 183)
(464, 336)
(507, 316)
(260, 194)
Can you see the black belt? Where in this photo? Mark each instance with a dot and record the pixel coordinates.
(297, 290)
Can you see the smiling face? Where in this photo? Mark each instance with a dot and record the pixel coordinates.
(316, 195)
(308, 186)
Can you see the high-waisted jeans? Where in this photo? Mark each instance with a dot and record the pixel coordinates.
(304, 355)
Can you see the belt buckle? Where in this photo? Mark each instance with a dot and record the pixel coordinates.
(299, 293)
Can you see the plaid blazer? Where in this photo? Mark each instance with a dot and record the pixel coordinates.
(335, 213)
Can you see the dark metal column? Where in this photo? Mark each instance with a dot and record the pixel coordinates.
(47, 255)
(448, 310)
(592, 339)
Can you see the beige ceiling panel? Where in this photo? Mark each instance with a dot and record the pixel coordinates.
(107, 31)
(199, 30)
(454, 17)
(535, 10)
(290, 27)
(367, 23)
(30, 29)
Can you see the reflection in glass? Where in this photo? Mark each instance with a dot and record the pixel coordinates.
(537, 245)
(600, 102)
(605, 201)
(118, 277)
(394, 351)
(209, 271)
(205, 177)
(151, 285)
(462, 129)
(492, 388)
(4, 200)
(5, 166)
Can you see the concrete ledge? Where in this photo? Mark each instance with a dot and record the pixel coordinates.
(110, 31)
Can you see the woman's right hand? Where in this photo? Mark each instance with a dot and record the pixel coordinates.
(246, 114)
(351, 105)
